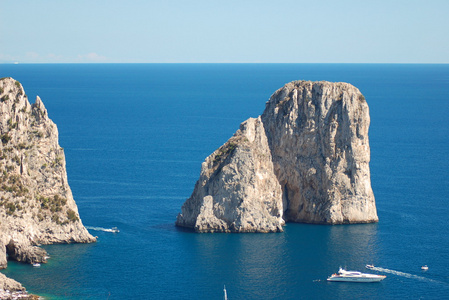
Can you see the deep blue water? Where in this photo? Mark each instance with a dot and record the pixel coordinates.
(135, 136)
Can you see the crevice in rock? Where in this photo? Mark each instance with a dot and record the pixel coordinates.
(25, 253)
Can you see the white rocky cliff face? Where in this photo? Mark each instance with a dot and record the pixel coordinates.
(36, 203)
(318, 135)
(308, 163)
(237, 190)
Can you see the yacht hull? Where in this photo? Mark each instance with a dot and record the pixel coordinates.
(357, 279)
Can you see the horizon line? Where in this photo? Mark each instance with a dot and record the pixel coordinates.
(223, 63)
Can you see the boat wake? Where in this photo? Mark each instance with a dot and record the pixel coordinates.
(113, 229)
(403, 274)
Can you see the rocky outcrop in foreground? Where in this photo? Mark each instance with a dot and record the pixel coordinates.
(305, 159)
(8, 284)
(36, 203)
(11, 289)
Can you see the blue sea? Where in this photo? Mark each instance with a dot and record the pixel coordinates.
(135, 136)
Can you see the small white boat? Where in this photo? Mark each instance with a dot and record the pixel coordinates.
(369, 266)
(36, 265)
(113, 230)
(225, 294)
(355, 276)
(425, 268)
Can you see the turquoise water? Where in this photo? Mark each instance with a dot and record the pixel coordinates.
(135, 136)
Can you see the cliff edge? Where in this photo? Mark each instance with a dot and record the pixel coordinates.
(305, 159)
(36, 203)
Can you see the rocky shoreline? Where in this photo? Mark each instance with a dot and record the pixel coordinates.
(11, 289)
(13, 295)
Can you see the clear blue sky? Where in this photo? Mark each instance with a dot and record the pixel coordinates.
(224, 31)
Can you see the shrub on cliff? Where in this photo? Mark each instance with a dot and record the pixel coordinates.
(71, 215)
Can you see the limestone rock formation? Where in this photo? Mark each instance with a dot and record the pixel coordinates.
(36, 203)
(237, 190)
(313, 151)
(318, 135)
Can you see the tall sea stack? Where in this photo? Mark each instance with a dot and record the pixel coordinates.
(305, 159)
(36, 203)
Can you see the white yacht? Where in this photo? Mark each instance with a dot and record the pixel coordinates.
(355, 276)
